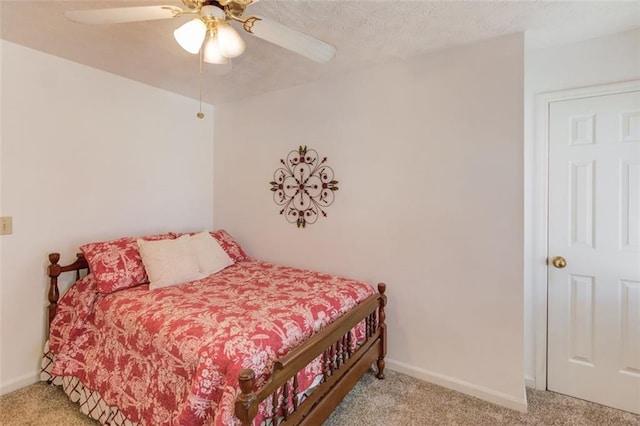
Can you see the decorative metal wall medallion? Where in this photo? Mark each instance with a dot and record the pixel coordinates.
(304, 186)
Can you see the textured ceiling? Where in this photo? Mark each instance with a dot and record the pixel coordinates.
(365, 33)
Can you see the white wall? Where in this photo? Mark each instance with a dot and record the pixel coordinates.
(593, 62)
(428, 153)
(85, 156)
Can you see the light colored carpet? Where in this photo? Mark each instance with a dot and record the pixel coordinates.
(397, 400)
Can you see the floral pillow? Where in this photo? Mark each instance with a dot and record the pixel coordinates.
(226, 241)
(231, 246)
(117, 264)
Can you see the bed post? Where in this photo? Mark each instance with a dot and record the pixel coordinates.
(54, 271)
(246, 407)
(382, 325)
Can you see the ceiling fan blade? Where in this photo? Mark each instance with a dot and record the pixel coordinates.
(120, 15)
(303, 44)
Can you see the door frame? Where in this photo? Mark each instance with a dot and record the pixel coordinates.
(540, 210)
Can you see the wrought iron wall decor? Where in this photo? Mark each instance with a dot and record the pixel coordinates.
(304, 186)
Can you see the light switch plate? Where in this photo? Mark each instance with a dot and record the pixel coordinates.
(6, 225)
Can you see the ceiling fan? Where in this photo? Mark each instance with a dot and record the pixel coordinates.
(210, 29)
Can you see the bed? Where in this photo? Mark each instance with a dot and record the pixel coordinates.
(253, 344)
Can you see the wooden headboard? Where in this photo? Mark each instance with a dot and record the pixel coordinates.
(54, 270)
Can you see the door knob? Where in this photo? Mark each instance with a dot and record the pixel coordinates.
(559, 262)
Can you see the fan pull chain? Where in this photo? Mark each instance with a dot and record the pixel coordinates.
(200, 114)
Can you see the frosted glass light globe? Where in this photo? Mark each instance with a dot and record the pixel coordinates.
(191, 35)
(231, 44)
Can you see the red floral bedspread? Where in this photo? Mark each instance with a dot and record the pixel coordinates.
(172, 355)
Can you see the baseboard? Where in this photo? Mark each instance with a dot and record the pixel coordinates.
(530, 382)
(20, 382)
(481, 392)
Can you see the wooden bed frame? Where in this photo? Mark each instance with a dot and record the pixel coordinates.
(342, 366)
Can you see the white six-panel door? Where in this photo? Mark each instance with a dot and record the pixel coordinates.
(594, 225)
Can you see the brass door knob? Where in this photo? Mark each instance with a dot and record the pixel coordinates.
(559, 262)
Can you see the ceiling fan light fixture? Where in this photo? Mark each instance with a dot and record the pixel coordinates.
(191, 35)
(231, 44)
(212, 54)
(212, 11)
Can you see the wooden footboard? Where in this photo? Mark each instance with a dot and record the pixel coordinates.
(342, 368)
(343, 365)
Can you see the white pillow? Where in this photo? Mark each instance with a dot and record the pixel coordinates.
(210, 256)
(169, 262)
